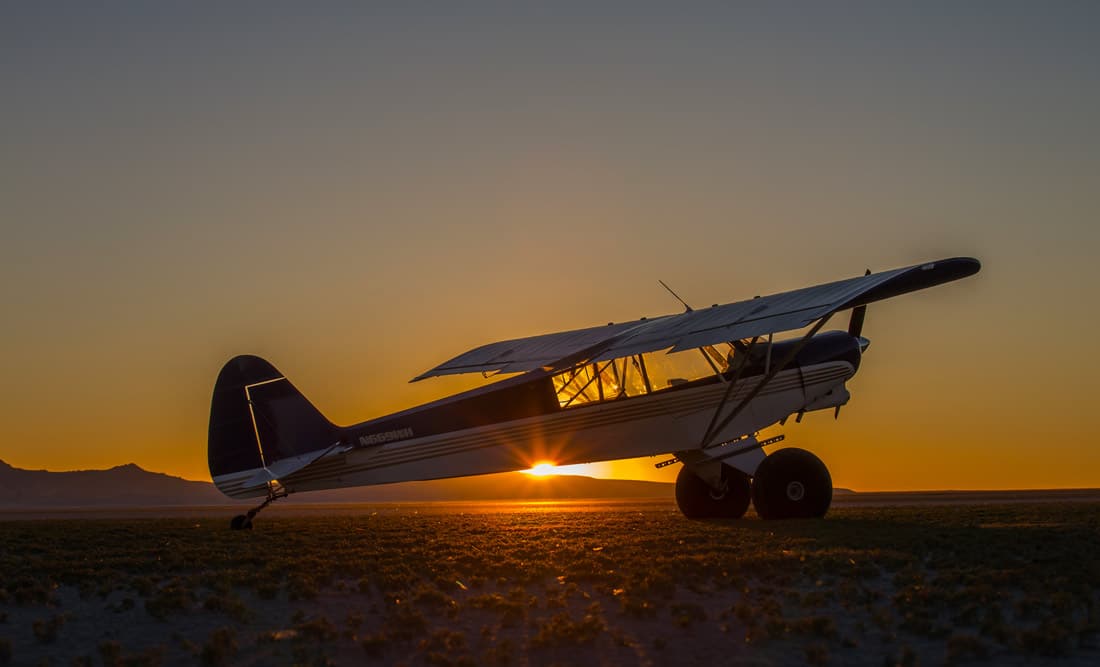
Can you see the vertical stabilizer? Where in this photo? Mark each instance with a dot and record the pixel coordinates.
(257, 418)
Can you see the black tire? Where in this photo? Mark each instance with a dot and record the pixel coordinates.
(241, 522)
(792, 484)
(697, 500)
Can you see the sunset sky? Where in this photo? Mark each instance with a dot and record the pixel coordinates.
(359, 191)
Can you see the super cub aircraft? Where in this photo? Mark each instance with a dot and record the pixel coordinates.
(698, 386)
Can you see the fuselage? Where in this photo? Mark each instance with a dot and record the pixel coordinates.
(517, 422)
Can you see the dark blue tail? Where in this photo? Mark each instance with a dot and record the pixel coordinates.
(257, 417)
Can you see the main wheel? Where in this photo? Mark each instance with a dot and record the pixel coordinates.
(792, 484)
(241, 522)
(697, 500)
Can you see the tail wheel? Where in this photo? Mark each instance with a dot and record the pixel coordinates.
(792, 483)
(697, 500)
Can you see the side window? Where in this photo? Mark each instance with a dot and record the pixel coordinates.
(635, 375)
(603, 381)
(577, 386)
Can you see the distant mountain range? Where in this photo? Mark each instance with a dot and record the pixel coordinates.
(129, 485)
(126, 485)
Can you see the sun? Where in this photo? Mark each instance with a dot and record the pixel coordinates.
(542, 469)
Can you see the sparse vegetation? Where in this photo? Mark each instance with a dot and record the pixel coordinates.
(221, 647)
(563, 630)
(900, 586)
(45, 630)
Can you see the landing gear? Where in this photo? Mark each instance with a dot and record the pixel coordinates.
(697, 500)
(244, 521)
(792, 483)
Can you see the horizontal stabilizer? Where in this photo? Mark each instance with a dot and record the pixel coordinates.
(285, 467)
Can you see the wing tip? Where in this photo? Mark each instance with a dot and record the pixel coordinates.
(955, 267)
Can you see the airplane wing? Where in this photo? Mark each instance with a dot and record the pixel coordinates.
(758, 316)
(525, 354)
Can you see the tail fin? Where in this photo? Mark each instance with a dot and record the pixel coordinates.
(258, 418)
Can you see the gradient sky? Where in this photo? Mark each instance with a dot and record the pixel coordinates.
(359, 191)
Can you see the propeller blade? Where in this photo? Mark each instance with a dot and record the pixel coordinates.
(859, 313)
(855, 324)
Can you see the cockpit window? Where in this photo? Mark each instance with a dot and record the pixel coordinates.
(578, 386)
(637, 374)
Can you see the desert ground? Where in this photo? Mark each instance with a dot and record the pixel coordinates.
(994, 581)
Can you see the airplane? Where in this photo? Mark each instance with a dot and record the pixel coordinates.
(698, 386)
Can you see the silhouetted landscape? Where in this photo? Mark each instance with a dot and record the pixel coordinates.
(119, 486)
(130, 485)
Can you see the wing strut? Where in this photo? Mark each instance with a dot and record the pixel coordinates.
(713, 430)
(729, 390)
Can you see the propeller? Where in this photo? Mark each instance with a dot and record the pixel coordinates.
(859, 313)
(855, 324)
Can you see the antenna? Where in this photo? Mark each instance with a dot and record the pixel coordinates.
(687, 308)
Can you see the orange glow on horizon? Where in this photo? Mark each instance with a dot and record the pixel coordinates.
(542, 469)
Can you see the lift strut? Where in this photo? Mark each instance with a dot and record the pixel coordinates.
(715, 425)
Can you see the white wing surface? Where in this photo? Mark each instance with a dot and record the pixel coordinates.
(759, 316)
(524, 354)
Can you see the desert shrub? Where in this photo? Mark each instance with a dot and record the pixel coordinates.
(562, 630)
(110, 652)
(354, 620)
(173, 597)
(1050, 639)
(30, 591)
(227, 604)
(431, 597)
(142, 585)
(816, 654)
(511, 612)
(318, 629)
(220, 648)
(776, 626)
(744, 612)
(444, 640)
(685, 614)
(905, 657)
(125, 604)
(657, 584)
(965, 647)
(816, 599)
(817, 626)
(637, 607)
(405, 623)
(374, 645)
(446, 648)
(45, 631)
(268, 590)
(301, 588)
(500, 654)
